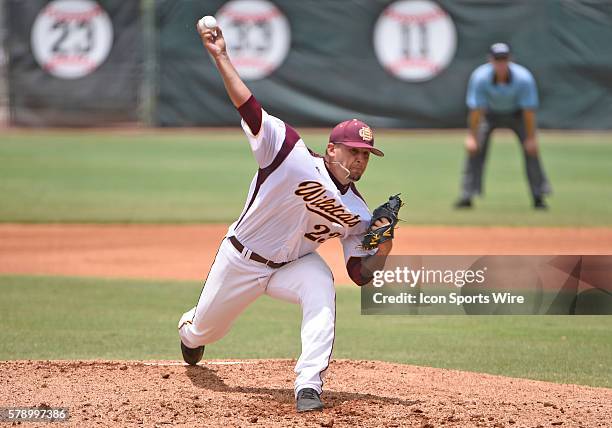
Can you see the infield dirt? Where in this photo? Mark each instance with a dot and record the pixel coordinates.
(260, 392)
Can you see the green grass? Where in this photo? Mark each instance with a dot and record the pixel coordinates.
(70, 318)
(204, 176)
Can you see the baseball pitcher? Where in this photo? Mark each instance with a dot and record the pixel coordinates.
(297, 200)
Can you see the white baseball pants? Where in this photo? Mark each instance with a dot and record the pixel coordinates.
(234, 282)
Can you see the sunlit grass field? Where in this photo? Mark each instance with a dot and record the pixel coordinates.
(78, 318)
(199, 176)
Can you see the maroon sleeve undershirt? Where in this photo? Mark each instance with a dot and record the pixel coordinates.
(353, 267)
(251, 113)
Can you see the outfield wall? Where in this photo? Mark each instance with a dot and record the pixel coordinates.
(398, 64)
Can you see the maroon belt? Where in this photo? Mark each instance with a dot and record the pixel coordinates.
(254, 256)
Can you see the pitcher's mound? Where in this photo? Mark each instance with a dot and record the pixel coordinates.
(260, 392)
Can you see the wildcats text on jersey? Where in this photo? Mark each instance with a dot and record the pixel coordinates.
(313, 193)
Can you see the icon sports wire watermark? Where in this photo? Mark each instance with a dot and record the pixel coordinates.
(490, 285)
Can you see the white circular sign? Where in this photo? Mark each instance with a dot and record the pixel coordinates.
(71, 38)
(414, 40)
(258, 36)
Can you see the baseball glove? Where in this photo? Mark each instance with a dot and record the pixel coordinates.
(389, 210)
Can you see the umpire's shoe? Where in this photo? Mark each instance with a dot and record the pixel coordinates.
(463, 203)
(192, 356)
(539, 203)
(308, 400)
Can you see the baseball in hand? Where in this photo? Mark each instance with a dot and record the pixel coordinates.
(207, 22)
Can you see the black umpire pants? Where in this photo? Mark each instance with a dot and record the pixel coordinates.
(474, 164)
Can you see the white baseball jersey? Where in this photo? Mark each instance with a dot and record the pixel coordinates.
(294, 205)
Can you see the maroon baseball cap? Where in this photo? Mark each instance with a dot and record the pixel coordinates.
(354, 133)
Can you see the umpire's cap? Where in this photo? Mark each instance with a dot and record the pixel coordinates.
(499, 50)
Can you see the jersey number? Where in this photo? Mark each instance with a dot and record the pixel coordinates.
(320, 230)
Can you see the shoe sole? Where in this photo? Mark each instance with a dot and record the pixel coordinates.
(189, 358)
(314, 409)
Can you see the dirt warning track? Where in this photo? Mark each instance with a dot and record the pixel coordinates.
(186, 252)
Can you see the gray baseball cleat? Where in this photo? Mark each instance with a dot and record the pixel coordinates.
(308, 400)
(192, 356)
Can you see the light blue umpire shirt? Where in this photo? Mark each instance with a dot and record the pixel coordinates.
(519, 93)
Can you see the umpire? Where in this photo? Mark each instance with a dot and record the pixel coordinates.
(501, 94)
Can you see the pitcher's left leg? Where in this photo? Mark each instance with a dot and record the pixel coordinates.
(309, 282)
